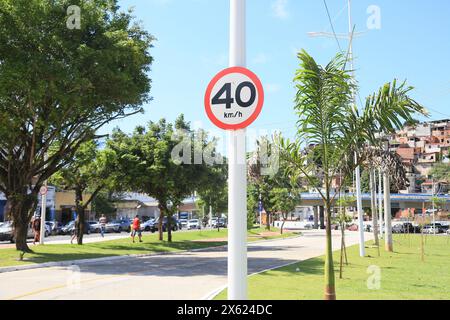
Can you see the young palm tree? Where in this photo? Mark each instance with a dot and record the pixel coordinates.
(323, 104)
(384, 113)
(335, 131)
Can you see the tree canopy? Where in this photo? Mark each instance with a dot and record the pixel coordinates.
(60, 85)
(151, 164)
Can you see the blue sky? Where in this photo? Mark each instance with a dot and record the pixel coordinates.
(192, 46)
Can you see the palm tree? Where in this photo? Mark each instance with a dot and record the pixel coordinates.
(335, 131)
(323, 104)
(384, 113)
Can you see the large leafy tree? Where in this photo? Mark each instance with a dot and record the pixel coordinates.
(270, 180)
(89, 172)
(284, 201)
(149, 160)
(214, 194)
(336, 133)
(59, 86)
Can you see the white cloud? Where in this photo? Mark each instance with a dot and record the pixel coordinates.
(279, 9)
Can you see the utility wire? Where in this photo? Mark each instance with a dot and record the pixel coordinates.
(332, 26)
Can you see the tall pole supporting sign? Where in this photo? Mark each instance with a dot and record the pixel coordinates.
(237, 192)
(233, 100)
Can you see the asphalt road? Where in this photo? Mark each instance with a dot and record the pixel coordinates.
(184, 276)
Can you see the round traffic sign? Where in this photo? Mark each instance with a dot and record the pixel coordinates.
(43, 190)
(234, 98)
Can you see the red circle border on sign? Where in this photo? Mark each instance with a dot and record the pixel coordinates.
(259, 106)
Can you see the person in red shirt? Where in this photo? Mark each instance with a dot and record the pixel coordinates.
(136, 229)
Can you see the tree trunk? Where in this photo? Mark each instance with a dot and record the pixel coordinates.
(22, 206)
(282, 226)
(373, 202)
(79, 224)
(330, 291)
(267, 221)
(160, 223)
(387, 214)
(169, 227)
(322, 217)
(20, 237)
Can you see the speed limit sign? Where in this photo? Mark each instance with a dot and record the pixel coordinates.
(234, 98)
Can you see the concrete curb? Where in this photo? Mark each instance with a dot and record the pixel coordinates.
(115, 258)
(213, 294)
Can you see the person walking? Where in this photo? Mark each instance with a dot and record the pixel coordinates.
(136, 228)
(102, 222)
(36, 226)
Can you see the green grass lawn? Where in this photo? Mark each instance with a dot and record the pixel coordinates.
(403, 275)
(150, 244)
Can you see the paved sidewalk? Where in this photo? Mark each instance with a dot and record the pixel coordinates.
(184, 276)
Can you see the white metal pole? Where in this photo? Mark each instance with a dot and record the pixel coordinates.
(43, 214)
(432, 200)
(380, 201)
(362, 252)
(387, 213)
(211, 216)
(237, 191)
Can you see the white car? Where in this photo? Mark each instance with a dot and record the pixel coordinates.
(183, 223)
(430, 230)
(193, 224)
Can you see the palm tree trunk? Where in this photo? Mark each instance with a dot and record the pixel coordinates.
(387, 213)
(330, 290)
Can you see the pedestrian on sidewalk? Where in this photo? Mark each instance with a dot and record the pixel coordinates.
(36, 226)
(102, 222)
(136, 229)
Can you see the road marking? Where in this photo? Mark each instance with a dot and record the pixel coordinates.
(33, 293)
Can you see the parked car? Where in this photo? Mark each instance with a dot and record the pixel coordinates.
(125, 224)
(183, 223)
(147, 225)
(54, 227)
(94, 226)
(430, 229)
(174, 224)
(7, 234)
(352, 227)
(193, 224)
(113, 226)
(68, 228)
(218, 223)
(222, 223)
